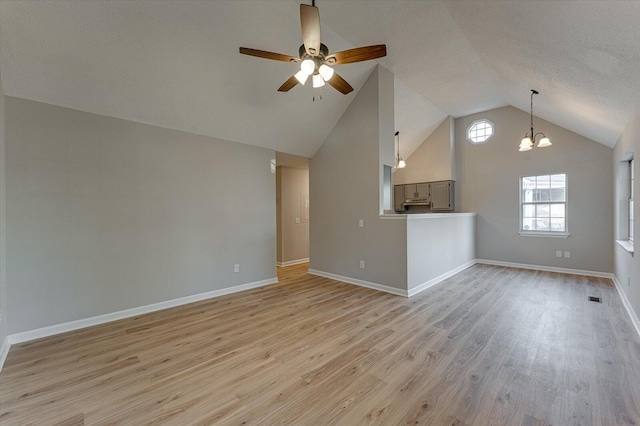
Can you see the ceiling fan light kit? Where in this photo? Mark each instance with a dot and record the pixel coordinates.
(528, 142)
(326, 72)
(314, 57)
(308, 66)
(301, 76)
(318, 81)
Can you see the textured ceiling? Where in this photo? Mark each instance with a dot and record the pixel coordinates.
(175, 64)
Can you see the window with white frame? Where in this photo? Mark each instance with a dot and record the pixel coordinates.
(630, 202)
(543, 204)
(480, 131)
(625, 188)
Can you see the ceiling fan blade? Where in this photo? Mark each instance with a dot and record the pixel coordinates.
(289, 84)
(340, 84)
(310, 24)
(358, 54)
(268, 55)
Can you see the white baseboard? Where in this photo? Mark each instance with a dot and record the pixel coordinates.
(4, 351)
(439, 279)
(127, 313)
(361, 283)
(293, 262)
(627, 304)
(546, 268)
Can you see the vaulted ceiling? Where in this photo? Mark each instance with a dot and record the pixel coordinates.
(175, 64)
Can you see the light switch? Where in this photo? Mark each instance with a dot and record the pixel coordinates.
(361, 223)
(297, 220)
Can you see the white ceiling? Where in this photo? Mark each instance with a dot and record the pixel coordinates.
(176, 64)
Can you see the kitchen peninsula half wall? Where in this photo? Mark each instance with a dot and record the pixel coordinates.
(430, 247)
(439, 245)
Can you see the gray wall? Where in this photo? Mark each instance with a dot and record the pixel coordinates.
(293, 231)
(105, 214)
(433, 160)
(345, 178)
(626, 265)
(487, 183)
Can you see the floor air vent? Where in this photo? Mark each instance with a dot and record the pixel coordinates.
(595, 299)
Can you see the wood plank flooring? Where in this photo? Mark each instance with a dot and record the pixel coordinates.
(489, 346)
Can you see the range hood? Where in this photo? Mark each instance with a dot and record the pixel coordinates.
(417, 202)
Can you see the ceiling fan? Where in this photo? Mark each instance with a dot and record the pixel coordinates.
(315, 59)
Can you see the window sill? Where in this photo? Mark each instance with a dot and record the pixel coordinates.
(626, 244)
(544, 234)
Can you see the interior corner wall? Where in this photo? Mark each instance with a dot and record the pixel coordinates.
(293, 235)
(344, 182)
(105, 214)
(279, 214)
(433, 160)
(488, 183)
(3, 228)
(386, 134)
(627, 265)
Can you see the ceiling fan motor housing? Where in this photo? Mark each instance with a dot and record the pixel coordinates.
(319, 60)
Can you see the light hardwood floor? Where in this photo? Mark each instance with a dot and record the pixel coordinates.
(489, 346)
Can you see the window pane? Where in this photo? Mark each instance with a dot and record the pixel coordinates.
(557, 224)
(557, 194)
(557, 210)
(543, 181)
(542, 224)
(527, 224)
(528, 210)
(558, 185)
(543, 195)
(542, 211)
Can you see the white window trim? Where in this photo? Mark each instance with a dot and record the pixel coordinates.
(482, 120)
(546, 234)
(631, 219)
(626, 245)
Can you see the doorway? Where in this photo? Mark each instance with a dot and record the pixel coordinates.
(292, 209)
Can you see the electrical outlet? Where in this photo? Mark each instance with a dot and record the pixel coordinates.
(567, 254)
(362, 264)
(236, 267)
(361, 223)
(559, 253)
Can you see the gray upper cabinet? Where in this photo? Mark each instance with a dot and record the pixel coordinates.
(438, 195)
(422, 190)
(398, 198)
(442, 195)
(416, 190)
(410, 190)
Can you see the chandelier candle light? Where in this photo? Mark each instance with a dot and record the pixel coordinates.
(529, 139)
